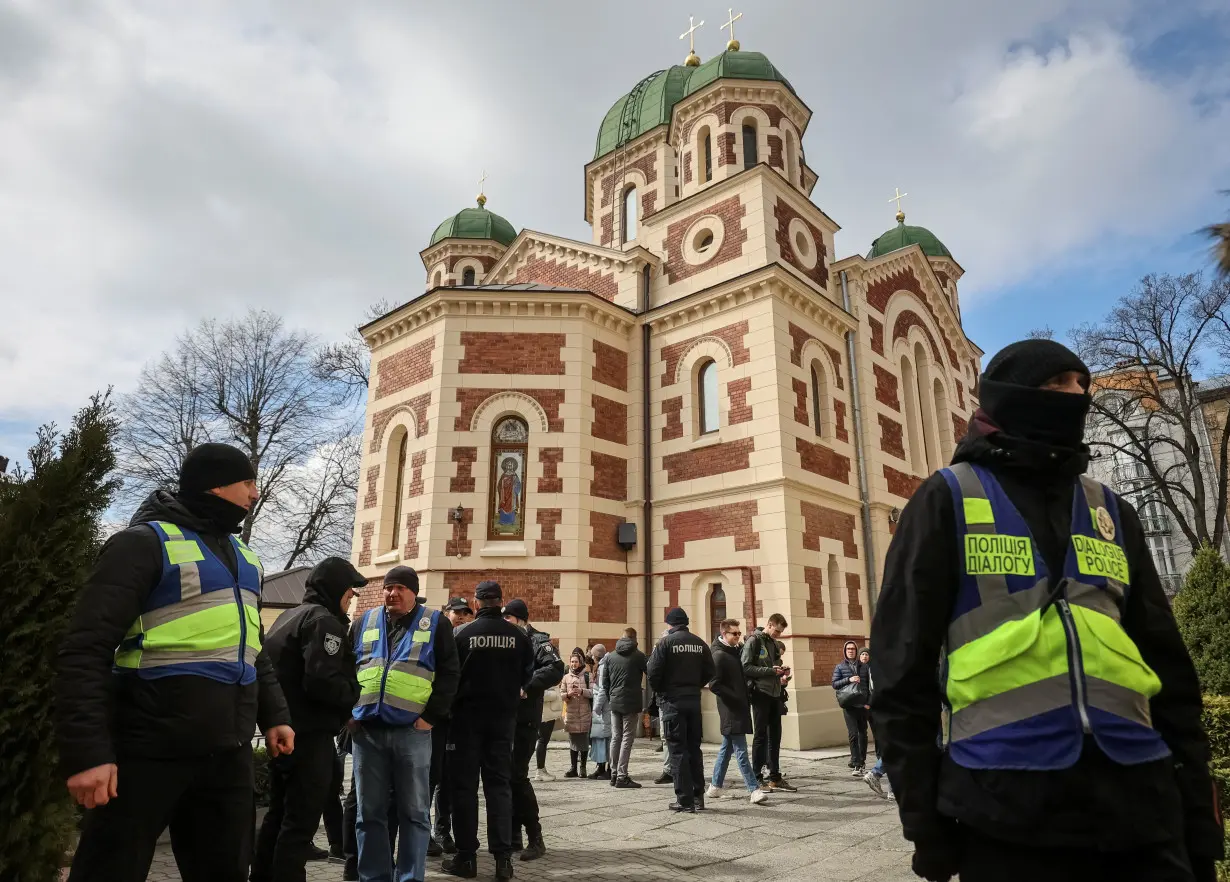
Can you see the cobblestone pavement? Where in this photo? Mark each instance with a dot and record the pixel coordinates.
(834, 828)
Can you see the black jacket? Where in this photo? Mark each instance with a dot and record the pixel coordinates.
(1094, 804)
(730, 686)
(760, 657)
(315, 661)
(101, 716)
(548, 671)
(497, 662)
(679, 667)
(625, 670)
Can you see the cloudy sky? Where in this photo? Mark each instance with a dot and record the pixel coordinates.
(161, 162)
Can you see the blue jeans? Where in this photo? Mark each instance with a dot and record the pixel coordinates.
(878, 768)
(737, 743)
(401, 757)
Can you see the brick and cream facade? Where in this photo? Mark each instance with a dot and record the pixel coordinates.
(761, 512)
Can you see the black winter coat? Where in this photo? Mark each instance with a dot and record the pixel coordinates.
(101, 716)
(680, 666)
(625, 671)
(314, 657)
(1096, 804)
(497, 662)
(729, 686)
(548, 671)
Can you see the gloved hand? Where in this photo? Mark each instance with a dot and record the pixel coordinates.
(935, 860)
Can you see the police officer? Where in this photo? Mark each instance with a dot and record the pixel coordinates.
(679, 667)
(459, 613)
(1075, 743)
(548, 672)
(316, 668)
(161, 683)
(497, 662)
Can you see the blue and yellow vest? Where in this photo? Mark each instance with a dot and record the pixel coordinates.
(1036, 662)
(394, 685)
(200, 619)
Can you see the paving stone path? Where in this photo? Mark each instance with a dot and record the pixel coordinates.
(834, 828)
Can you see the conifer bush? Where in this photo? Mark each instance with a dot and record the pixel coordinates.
(1202, 610)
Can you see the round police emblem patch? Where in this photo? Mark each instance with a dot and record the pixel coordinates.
(333, 644)
(1106, 524)
(425, 623)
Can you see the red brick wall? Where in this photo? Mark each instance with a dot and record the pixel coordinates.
(373, 476)
(835, 357)
(608, 229)
(820, 460)
(731, 335)
(839, 411)
(740, 411)
(775, 151)
(411, 548)
(959, 426)
(751, 578)
(725, 112)
(726, 148)
(609, 599)
(785, 213)
(548, 399)
(365, 554)
(942, 276)
(505, 352)
(813, 577)
(610, 476)
(646, 165)
(910, 319)
(855, 605)
(460, 544)
(891, 437)
(826, 653)
(899, 483)
(535, 587)
(877, 335)
(610, 420)
(879, 293)
(610, 366)
(380, 419)
(886, 388)
(465, 457)
(417, 461)
(714, 459)
(604, 545)
(672, 408)
(404, 369)
(548, 545)
(825, 523)
(550, 482)
(800, 402)
(730, 212)
(550, 272)
(734, 519)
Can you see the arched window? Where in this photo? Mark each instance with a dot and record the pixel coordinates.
(629, 219)
(705, 153)
(837, 602)
(399, 491)
(750, 157)
(717, 609)
(435, 280)
(943, 423)
(792, 159)
(509, 445)
(926, 408)
(467, 277)
(819, 400)
(707, 396)
(913, 427)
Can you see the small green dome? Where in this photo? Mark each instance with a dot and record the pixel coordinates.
(650, 103)
(475, 223)
(902, 236)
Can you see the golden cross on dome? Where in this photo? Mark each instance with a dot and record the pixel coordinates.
(733, 45)
(693, 60)
(897, 198)
(482, 198)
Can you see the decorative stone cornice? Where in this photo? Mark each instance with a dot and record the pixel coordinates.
(725, 91)
(531, 244)
(465, 247)
(941, 309)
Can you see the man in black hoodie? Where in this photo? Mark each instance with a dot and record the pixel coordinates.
(316, 668)
(1076, 749)
(625, 673)
(161, 683)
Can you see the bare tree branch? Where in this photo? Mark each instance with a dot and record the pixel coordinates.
(347, 364)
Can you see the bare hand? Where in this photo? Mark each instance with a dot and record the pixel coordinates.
(280, 740)
(523, 695)
(422, 725)
(779, 670)
(96, 786)
(855, 680)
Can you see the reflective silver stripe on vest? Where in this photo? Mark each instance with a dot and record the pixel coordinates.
(153, 658)
(192, 600)
(1119, 700)
(368, 698)
(1012, 706)
(408, 667)
(1094, 598)
(402, 704)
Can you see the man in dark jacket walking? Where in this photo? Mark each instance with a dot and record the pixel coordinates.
(847, 673)
(625, 672)
(1075, 744)
(679, 667)
(316, 669)
(162, 682)
(767, 676)
(734, 712)
(548, 672)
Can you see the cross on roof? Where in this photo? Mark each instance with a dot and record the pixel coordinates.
(733, 44)
(897, 198)
(690, 33)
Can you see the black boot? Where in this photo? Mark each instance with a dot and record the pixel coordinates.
(537, 848)
(596, 775)
(434, 848)
(572, 773)
(584, 760)
(350, 872)
(446, 843)
(503, 868)
(464, 867)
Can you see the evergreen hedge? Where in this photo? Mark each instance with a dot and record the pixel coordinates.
(49, 526)
(1217, 725)
(1202, 610)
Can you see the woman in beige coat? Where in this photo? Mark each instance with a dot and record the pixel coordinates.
(577, 690)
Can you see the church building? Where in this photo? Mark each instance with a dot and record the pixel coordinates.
(700, 407)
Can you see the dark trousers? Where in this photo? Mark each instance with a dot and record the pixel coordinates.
(767, 740)
(482, 743)
(300, 784)
(856, 728)
(350, 823)
(524, 800)
(206, 801)
(439, 781)
(545, 731)
(990, 860)
(682, 728)
(332, 816)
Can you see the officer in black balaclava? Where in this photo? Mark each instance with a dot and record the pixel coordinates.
(1075, 748)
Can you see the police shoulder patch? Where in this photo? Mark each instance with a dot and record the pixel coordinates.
(1106, 524)
(333, 644)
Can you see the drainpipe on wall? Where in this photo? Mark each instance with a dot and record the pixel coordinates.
(861, 456)
(646, 467)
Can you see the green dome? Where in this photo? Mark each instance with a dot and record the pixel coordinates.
(475, 223)
(902, 236)
(650, 103)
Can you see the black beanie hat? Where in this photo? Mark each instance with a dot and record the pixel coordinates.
(1010, 394)
(404, 576)
(331, 578)
(517, 608)
(1032, 362)
(677, 618)
(209, 466)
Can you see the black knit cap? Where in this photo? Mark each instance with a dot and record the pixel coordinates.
(488, 590)
(209, 466)
(677, 618)
(517, 608)
(404, 576)
(1032, 362)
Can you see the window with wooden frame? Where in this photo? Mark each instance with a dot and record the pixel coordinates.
(509, 455)
(717, 609)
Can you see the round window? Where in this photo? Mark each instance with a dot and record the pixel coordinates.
(801, 243)
(703, 240)
(804, 244)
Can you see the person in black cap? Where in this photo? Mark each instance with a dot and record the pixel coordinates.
(1075, 743)
(548, 671)
(497, 664)
(316, 668)
(679, 667)
(161, 683)
(460, 614)
(408, 671)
